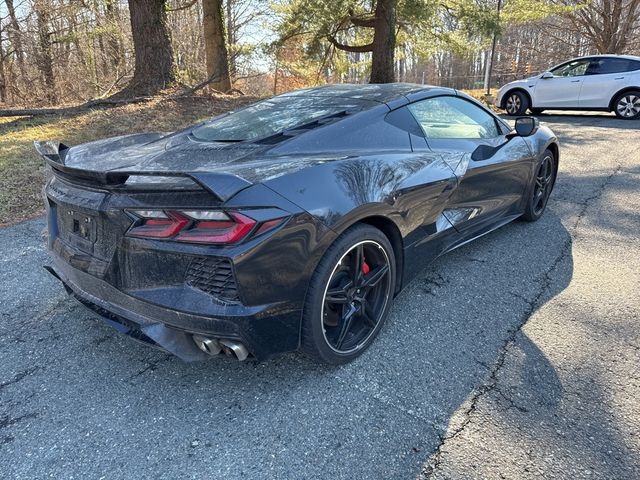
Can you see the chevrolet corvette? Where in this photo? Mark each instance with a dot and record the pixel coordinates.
(289, 224)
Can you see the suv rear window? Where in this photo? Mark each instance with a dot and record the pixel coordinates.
(634, 65)
(601, 66)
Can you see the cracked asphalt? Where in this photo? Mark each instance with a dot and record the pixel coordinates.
(515, 356)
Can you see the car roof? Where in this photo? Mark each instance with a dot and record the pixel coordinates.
(607, 55)
(377, 92)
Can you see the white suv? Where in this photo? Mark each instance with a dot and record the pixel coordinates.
(599, 82)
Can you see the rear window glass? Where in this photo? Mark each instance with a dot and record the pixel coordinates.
(634, 65)
(274, 116)
(600, 66)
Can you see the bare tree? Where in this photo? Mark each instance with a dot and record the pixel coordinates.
(215, 47)
(15, 35)
(610, 25)
(45, 60)
(3, 76)
(243, 39)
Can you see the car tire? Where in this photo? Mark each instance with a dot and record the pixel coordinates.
(542, 185)
(627, 105)
(536, 111)
(516, 103)
(342, 315)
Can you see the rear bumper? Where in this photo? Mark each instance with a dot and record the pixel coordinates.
(250, 292)
(144, 315)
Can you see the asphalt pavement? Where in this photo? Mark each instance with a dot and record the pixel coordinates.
(515, 356)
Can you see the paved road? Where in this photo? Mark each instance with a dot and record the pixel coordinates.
(513, 357)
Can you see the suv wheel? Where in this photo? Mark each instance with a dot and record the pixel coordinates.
(627, 105)
(516, 103)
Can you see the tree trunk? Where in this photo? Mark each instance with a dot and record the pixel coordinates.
(105, 67)
(3, 77)
(15, 35)
(154, 69)
(114, 41)
(384, 42)
(231, 39)
(215, 46)
(45, 61)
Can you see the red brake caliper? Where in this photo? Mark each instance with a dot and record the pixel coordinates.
(365, 267)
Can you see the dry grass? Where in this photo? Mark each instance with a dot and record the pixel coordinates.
(22, 170)
(479, 94)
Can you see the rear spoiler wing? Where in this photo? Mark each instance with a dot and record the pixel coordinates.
(222, 185)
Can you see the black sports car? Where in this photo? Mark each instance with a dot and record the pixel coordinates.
(288, 224)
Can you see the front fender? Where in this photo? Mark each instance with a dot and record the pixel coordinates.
(543, 139)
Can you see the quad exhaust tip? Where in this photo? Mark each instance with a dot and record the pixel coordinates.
(212, 346)
(209, 346)
(231, 347)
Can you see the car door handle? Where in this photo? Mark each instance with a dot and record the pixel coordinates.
(619, 78)
(575, 81)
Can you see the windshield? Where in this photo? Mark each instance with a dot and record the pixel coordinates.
(273, 116)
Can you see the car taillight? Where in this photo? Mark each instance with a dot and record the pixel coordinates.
(158, 224)
(228, 230)
(198, 226)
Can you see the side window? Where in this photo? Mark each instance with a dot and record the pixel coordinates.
(634, 65)
(453, 117)
(576, 68)
(601, 66)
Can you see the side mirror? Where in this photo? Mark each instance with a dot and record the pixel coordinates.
(546, 75)
(526, 126)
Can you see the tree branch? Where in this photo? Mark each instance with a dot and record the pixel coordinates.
(369, 22)
(182, 7)
(28, 112)
(350, 48)
(198, 86)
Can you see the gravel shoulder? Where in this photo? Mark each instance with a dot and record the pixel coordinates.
(514, 356)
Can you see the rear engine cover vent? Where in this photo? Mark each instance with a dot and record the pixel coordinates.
(214, 276)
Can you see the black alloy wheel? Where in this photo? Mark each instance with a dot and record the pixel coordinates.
(356, 296)
(350, 295)
(543, 185)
